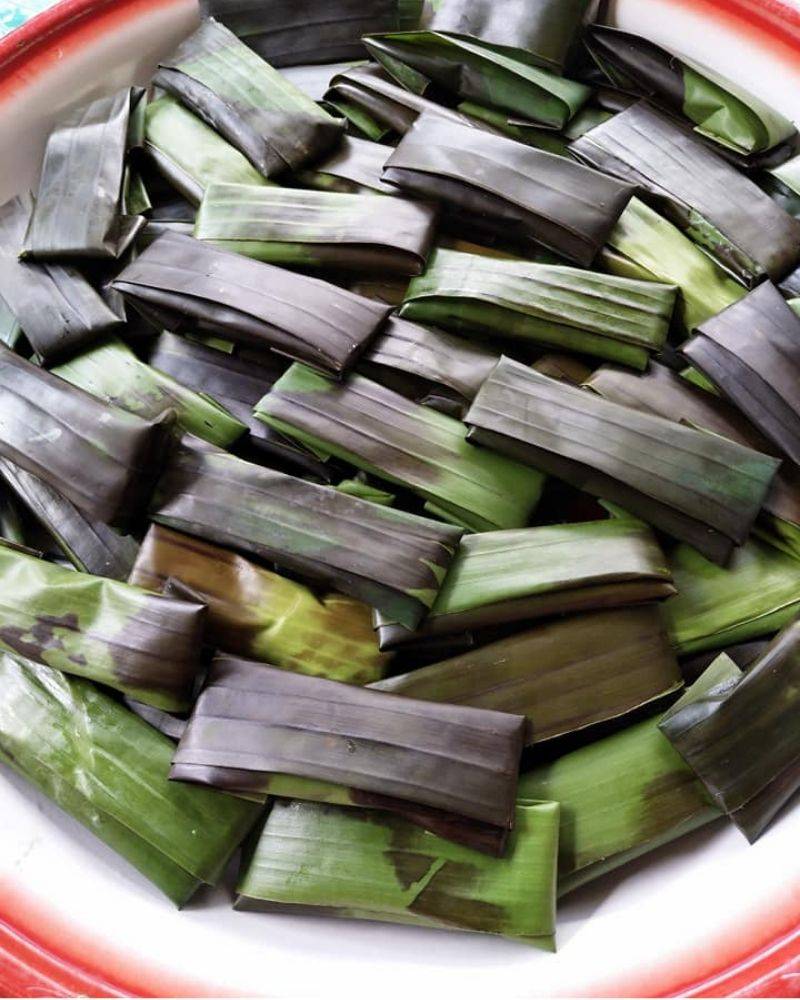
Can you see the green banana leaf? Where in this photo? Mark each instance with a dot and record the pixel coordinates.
(10, 330)
(263, 616)
(379, 431)
(373, 866)
(551, 142)
(355, 168)
(318, 229)
(360, 487)
(616, 319)
(108, 769)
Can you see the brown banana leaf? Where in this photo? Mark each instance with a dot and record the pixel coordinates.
(720, 209)
(257, 720)
(563, 368)
(355, 167)
(526, 193)
(275, 125)
(250, 302)
(701, 488)
(742, 654)
(382, 556)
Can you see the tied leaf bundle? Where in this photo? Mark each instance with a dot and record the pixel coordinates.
(355, 168)
(518, 191)
(261, 615)
(617, 319)
(380, 431)
(108, 769)
(318, 229)
(387, 558)
(249, 302)
(347, 863)
(250, 104)
(700, 488)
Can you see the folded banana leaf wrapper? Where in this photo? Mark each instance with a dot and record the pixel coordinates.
(326, 860)
(250, 104)
(252, 719)
(55, 305)
(319, 229)
(756, 595)
(90, 545)
(616, 319)
(99, 457)
(79, 210)
(385, 557)
(521, 192)
(258, 614)
(250, 302)
(511, 577)
(751, 353)
(381, 432)
(622, 796)
(719, 109)
(743, 655)
(355, 168)
(742, 739)
(723, 211)
(190, 154)
(698, 487)
(109, 770)
(10, 331)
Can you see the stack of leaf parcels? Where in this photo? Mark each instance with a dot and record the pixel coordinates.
(398, 409)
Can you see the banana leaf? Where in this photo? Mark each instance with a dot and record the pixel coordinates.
(79, 210)
(742, 739)
(722, 211)
(621, 797)
(523, 193)
(140, 643)
(250, 302)
(373, 866)
(359, 486)
(108, 769)
(101, 458)
(742, 654)
(659, 251)
(542, 138)
(563, 307)
(715, 608)
(56, 307)
(513, 577)
(563, 367)
(112, 372)
(252, 719)
(719, 109)
(698, 487)
(355, 168)
(379, 431)
(91, 546)
(10, 330)
(318, 229)
(258, 111)
(751, 353)
(382, 556)
(564, 676)
(471, 70)
(170, 725)
(263, 616)
(190, 154)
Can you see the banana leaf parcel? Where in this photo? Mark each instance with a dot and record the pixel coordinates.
(263, 616)
(719, 109)
(101, 458)
(143, 644)
(742, 739)
(355, 168)
(387, 558)
(55, 305)
(109, 770)
(214, 291)
(373, 866)
(523, 193)
(617, 319)
(511, 577)
(252, 106)
(251, 720)
(79, 210)
(564, 676)
(318, 229)
(701, 488)
(380, 431)
(716, 206)
(751, 353)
